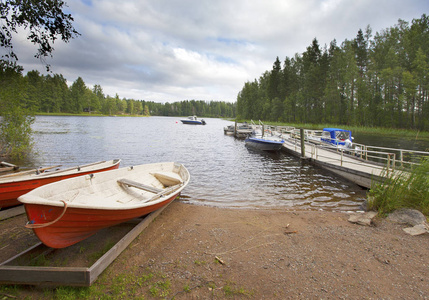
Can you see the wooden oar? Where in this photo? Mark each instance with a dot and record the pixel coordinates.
(6, 167)
(6, 164)
(29, 171)
(78, 168)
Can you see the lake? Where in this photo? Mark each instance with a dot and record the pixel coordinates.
(224, 172)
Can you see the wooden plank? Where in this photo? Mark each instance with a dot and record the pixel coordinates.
(349, 167)
(9, 165)
(68, 276)
(139, 185)
(101, 264)
(44, 275)
(12, 212)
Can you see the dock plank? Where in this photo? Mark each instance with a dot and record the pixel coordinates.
(352, 168)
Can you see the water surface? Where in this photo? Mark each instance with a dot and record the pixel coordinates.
(224, 172)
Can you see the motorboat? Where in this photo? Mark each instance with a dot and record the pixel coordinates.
(193, 120)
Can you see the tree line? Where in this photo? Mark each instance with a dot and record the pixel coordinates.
(380, 80)
(51, 94)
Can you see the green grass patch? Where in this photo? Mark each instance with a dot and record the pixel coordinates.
(96, 255)
(230, 290)
(402, 190)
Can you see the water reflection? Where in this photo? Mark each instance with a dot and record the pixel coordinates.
(223, 171)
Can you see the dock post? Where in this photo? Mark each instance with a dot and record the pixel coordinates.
(301, 133)
(235, 128)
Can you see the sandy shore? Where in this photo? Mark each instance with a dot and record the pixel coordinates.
(213, 253)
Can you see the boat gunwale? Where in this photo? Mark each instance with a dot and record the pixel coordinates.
(32, 199)
(59, 173)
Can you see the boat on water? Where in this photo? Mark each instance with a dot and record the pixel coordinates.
(193, 120)
(244, 130)
(16, 184)
(66, 212)
(229, 130)
(265, 142)
(337, 137)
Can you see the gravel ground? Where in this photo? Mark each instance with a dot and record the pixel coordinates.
(214, 253)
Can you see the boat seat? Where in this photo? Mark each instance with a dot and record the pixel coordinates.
(139, 185)
(168, 178)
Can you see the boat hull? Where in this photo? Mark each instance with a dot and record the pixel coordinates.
(66, 212)
(263, 144)
(10, 191)
(189, 122)
(78, 224)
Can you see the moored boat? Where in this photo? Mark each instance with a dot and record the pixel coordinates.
(193, 120)
(66, 212)
(14, 185)
(229, 130)
(244, 130)
(266, 142)
(337, 137)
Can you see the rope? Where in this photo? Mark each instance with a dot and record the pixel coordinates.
(28, 225)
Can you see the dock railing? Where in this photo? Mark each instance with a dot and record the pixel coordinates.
(380, 157)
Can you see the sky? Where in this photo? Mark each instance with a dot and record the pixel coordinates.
(167, 51)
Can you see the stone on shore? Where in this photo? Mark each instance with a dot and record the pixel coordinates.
(362, 218)
(417, 230)
(407, 216)
(411, 217)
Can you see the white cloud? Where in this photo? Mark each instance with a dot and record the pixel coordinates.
(169, 51)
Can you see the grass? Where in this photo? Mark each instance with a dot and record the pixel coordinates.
(96, 255)
(402, 190)
(356, 129)
(230, 290)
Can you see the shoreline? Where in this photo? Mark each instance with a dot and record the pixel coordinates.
(210, 252)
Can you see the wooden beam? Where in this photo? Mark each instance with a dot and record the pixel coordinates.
(139, 185)
(68, 276)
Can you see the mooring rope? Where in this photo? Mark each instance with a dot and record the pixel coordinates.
(28, 225)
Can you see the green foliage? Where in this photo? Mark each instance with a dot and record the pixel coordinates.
(15, 117)
(15, 134)
(44, 20)
(380, 81)
(402, 190)
(49, 94)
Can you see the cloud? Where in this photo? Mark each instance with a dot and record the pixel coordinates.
(171, 51)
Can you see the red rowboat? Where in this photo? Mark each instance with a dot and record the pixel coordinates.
(69, 211)
(14, 185)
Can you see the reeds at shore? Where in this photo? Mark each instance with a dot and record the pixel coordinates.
(402, 190)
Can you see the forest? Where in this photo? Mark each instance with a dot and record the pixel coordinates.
(51, 94)
(379, 80)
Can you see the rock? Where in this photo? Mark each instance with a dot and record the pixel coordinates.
(363, 219)
(364, 205)
(417, 230)
(407, 216)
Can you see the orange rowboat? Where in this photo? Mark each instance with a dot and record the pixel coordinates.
(14, 185)
(66, 212)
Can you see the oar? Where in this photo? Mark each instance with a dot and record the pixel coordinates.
(29, 171)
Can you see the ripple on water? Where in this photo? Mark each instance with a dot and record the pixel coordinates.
(223, 171)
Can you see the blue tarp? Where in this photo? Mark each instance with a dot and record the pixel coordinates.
(336, 136)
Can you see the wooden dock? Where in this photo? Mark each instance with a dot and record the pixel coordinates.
(353, 168)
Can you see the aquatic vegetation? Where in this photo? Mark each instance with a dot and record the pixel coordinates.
(402, 190)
